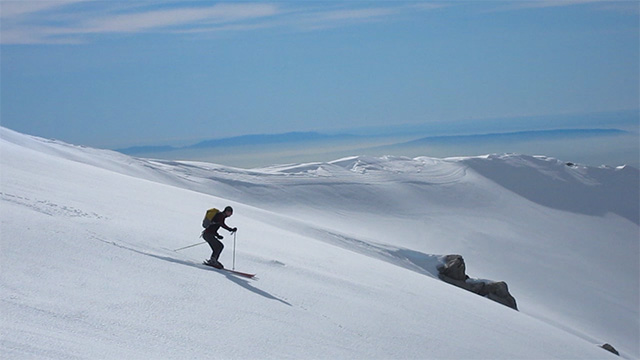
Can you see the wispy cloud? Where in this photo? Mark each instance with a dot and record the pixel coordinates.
(551, 3)
(357, 14)
(18, 24)
(325, 18)
(163, 19)
(73, 21)
(543, 4)
(39, 22)
(12, 9)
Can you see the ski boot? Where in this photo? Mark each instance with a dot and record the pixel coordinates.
(214, 263)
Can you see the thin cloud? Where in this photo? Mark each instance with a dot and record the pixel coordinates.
(56, 22)
(326, 19)
(543, 4)
(357, 14)
(629, 7)
(13, 9)
(23, 24)
(555, 3)
(160, 19)
(340, 16)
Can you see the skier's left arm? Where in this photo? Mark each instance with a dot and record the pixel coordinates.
(227, 227)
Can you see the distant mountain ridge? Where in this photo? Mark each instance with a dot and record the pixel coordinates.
(256, 139)
(266, 139)
(518, 135)
(310, 136)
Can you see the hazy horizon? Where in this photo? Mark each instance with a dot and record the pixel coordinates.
(114, 74)
(595, 139)
(595, 150)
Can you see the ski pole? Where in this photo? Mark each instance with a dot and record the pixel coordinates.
(186, 247)
(234, 250)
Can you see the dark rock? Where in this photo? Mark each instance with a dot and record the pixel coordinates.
(499, 292)
(454, 267)
(610, 348)
(453, 271)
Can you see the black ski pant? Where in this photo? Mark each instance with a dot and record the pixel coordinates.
(216, 245)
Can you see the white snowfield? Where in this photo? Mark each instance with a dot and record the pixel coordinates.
(345, 254)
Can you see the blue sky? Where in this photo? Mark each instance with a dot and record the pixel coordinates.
(115, 74)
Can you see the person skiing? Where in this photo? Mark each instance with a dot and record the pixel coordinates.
(211, 236)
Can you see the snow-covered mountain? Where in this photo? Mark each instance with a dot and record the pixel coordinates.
(345, 253)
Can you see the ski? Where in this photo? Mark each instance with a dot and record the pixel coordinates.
(247, 275)
(240, 273)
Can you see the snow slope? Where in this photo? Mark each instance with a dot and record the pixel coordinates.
(345, 253)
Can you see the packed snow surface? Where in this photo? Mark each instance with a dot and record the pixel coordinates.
(345, 252)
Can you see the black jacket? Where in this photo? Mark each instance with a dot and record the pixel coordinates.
(218, 222)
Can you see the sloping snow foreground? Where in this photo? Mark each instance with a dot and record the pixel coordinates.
(345, 254)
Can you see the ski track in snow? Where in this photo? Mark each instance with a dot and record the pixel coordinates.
(48, 208)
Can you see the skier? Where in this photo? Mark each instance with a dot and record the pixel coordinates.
(211, 236)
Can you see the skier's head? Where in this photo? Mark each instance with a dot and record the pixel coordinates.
(228, 210)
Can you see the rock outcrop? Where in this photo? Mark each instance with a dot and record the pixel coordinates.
(453, 271)
(610, 348)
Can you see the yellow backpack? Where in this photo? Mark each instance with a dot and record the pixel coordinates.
(208, 217)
